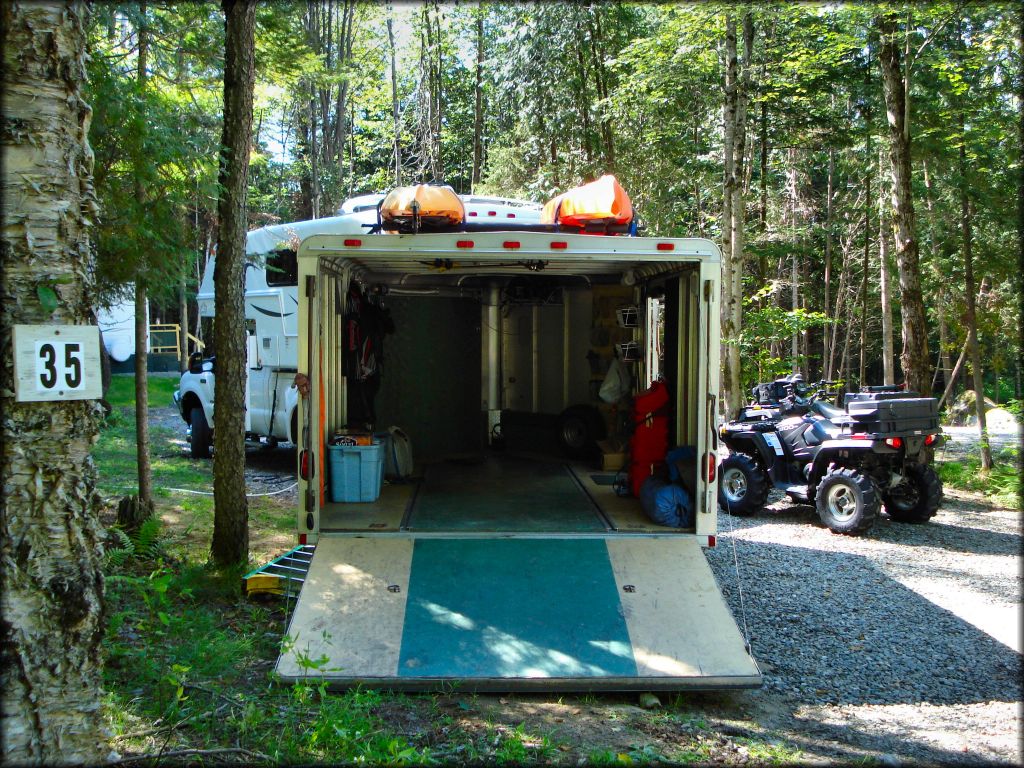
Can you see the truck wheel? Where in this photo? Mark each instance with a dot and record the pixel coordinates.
(917, 498)
(742, 485)
(579, 429)
(202, 435)
(847, 501)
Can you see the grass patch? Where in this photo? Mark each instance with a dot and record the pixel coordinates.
(122, 390)
(1001, 484)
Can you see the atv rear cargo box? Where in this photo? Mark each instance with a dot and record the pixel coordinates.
(905, 415)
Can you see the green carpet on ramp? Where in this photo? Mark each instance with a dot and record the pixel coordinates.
(504, 493)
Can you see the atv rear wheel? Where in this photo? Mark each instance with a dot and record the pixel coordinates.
(917, 498)
(742, 485)
(847, 501)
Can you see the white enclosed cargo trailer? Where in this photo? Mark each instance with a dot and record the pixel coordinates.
(500, 565)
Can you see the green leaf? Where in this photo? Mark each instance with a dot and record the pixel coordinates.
(47, 297)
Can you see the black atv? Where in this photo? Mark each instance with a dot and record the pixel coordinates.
(848, 462)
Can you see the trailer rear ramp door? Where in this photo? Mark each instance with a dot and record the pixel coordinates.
(492, 613)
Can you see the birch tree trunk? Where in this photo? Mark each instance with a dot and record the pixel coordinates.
(142, 507)
(737, 87)
(50, 537)
(885, 286)
(914, 358)
(231, 509)
(478, 105)
(971, 318)
(394, 102)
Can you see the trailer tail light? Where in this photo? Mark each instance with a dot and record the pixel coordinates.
(305, 465)
(353, 243)
(710, 468)
(559, 245)
(463, 243)
(511, 244)
(931, 439)
(302, 538)
(666, 246)
(894, 442)
(711, 541)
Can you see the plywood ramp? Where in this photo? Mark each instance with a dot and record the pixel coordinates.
(515, 613)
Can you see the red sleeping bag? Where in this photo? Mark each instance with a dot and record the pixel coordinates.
(649, 444)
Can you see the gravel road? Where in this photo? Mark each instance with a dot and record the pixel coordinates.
(901, 645)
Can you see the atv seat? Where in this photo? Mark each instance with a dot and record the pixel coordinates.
(830, 412)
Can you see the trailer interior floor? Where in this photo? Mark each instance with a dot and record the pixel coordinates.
(496, 493)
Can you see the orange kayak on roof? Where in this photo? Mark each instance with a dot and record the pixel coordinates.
(433, 205)
(601, 201)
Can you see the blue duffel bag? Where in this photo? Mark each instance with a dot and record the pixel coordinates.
(666, 503)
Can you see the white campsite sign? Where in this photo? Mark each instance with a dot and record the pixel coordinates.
(57, 362)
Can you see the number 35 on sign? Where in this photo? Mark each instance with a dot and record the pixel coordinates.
(57, 362)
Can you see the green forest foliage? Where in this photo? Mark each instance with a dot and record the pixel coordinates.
(570, 91)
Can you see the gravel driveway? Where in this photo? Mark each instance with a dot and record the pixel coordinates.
(904, 644)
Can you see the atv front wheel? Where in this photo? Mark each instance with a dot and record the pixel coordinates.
(847, 501)
(742, 485)
(917, 498)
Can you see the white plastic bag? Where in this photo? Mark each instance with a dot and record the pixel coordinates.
(617, 382)
(398, 462)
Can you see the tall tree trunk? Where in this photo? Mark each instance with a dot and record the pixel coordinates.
(230, 544)
(914, 358)
(143, 508)
(731, 302)
(885, 285)
(829, 238)
(51, 542)
(970, 316)
(478, 105)
(739, 209)
(394, 102)
(183, 325)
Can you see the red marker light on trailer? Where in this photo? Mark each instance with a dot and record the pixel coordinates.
(711, 541)
(302, 538)
(463, 243)
(709, 467)
(510, 215)
(305, 466)
(471, 213)
(492, 213)
(666, 246)
(353, 243)
(511, 244)
(894, 442)
(559, 245)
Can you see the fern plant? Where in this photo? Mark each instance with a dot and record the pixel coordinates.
(144, 544)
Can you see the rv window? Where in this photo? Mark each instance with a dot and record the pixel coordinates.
(282, 268)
